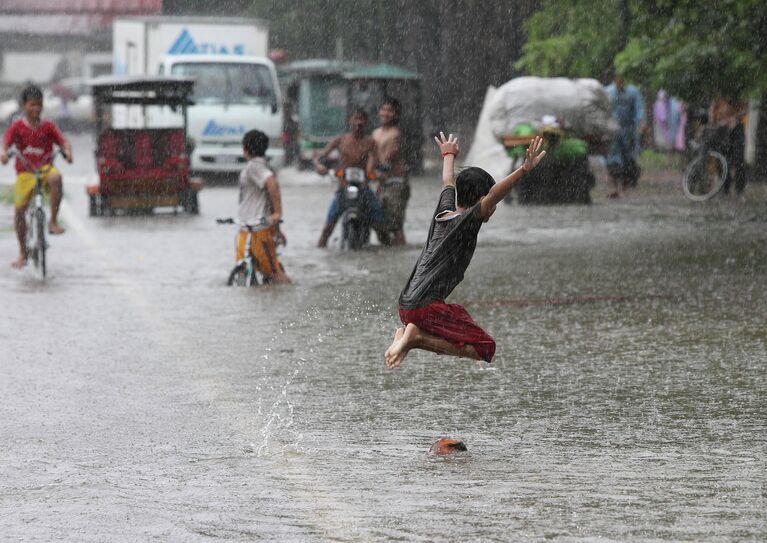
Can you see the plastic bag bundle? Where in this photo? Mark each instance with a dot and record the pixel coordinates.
(581, 106)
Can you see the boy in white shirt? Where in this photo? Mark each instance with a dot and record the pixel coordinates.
(260, 199)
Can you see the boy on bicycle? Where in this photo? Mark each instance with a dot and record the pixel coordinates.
(260, 199)
(34, 137)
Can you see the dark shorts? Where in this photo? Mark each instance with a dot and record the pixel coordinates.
(453, 323)
(394, 196)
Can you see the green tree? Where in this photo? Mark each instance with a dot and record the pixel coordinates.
(699, 50)
(572, 38)
(694, 49)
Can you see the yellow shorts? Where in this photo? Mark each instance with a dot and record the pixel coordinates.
(25, 185)
(264, 250)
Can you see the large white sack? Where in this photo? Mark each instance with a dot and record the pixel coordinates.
(486, 151)
(582, 104)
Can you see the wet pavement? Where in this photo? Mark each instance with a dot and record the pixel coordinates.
(142, 399)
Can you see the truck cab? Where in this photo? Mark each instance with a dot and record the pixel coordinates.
(232, 94)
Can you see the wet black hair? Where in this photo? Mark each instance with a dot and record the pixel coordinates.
(358, 111)
(31, 92)
(255, 142)
(471, 184)
(395, 105)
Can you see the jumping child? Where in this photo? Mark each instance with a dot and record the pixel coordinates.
(430, 323)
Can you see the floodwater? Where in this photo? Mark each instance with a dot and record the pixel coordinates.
(142, 399)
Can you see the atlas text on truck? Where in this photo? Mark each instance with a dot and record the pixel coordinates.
(236, 86)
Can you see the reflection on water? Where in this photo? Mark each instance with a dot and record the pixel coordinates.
(626, 401)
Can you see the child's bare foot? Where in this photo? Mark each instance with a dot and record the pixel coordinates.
(20, 262)
(397, 335)
(55, 229)
(397, 351)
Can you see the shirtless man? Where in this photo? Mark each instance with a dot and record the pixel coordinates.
(393, 188)
(357, 151)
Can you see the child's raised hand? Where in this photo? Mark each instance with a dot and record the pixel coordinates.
(533, 155)
(447, 145)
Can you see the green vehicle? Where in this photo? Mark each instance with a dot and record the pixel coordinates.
(320, 93)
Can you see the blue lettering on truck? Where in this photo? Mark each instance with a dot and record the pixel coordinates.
(215, 129)
(185, 44)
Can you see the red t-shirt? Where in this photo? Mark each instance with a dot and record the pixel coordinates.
(34, 142)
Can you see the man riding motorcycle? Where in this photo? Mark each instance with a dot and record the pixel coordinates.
(357, 150)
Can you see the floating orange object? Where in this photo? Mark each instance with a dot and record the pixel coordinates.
(447, 445)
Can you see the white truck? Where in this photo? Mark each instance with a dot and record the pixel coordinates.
(236, 87)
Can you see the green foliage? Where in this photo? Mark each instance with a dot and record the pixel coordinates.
(699, 50)
(654, 161)
(696, 50)
(572, 38)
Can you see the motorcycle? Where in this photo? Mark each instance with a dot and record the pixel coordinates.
(354, 201)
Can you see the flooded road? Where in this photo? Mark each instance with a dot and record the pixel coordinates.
(142, 399)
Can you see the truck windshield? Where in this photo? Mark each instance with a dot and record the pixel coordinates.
(229, 82)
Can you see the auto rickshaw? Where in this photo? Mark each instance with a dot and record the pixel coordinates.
(142, 150)
(321, 93)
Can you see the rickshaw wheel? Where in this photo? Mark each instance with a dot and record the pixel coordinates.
(106, 208)
(190, 202)
(93, 208)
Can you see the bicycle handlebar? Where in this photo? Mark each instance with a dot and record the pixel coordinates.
(245, 224)
(18, 155)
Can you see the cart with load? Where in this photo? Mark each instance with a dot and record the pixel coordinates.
(574, 117)
(142, 150)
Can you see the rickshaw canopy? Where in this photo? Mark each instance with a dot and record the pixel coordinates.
(143, 90)
(322, 92)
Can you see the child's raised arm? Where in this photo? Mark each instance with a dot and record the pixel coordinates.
(499, 191)
(449, 149)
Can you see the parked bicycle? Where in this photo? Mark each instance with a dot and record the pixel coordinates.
(254, 269)
(706, 173)
(35, 216)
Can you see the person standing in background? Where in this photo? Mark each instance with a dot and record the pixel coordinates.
(725, 118)
(392, 173)
(629, 113)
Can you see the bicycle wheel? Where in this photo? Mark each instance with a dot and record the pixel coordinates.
(704, 176)
(252, 278)
(31, 240)
(239, 276)
(41, 245)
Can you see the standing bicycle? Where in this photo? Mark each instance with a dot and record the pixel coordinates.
(34, 139)
(256, 254)
(706, 173)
